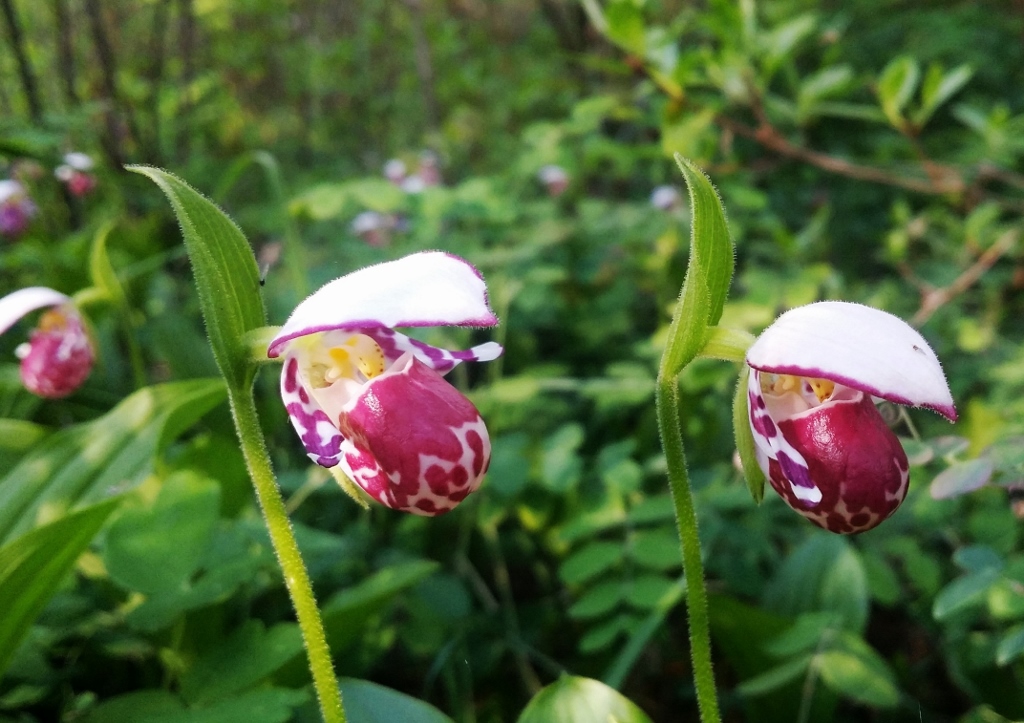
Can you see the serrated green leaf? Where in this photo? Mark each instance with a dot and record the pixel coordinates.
(896, 86)
(744, 436)
(708, 273)
(225, 272)
(32, 567)
(581, 700)
(86, 462)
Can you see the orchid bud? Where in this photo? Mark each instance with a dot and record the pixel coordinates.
(373, 401)
(75, 174)
(59, 355)
(820, 440)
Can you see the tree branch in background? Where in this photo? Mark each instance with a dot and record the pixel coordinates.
(28, 79)
(66, 51)
(933, 299)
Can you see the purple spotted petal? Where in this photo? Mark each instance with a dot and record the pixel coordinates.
(319, 435)
(394, 344)
(431, 288)
(774, 446)
(859, 347)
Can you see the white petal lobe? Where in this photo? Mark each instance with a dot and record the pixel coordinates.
(23, 301)
(859, 346)
(430, 288)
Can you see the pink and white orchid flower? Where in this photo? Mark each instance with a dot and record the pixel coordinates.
(75, 173)
(819, 438)
(58, 356)
(373, 401)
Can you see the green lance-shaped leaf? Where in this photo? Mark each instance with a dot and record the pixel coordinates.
(708, 274)
(745, 444)
(225, 271)
(88, 462)
(581, 700)
(896, 86)
(101, 271)
(32, 567)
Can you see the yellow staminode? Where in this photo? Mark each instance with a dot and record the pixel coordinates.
(822, 388)
(359, 354)
(782, 383)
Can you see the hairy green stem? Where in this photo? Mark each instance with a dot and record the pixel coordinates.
(296, 579)
(667, 398)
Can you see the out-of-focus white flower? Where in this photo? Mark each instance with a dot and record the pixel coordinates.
(555, 179)
(666, 198)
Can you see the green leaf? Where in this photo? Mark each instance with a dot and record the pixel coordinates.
(708, 274)
(601, 636)
(367, 702)
(744, 435)
(597, 601)
(780, 42)
(347, 612)
(961, 478)
(86, 462)
(645, 592)
(938, 87)
(776, 677)
(32, 567)
(101, 271)
(824, 574)
(964, 592)
(268, 705)
(626, 25)
(854, 670)
(225, 272)
(656, 549)
(896, 86)
(826, 83)
(241, 661)
(572, 699)
(175, 530)
(1011, 646)
(590, 561)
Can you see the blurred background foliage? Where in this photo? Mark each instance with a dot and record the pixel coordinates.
(868, 150)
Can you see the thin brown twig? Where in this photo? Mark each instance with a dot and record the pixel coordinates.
(933, 299)
(769, 137)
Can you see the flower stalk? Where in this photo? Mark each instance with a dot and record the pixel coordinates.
(670, 428)
(296, 578)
